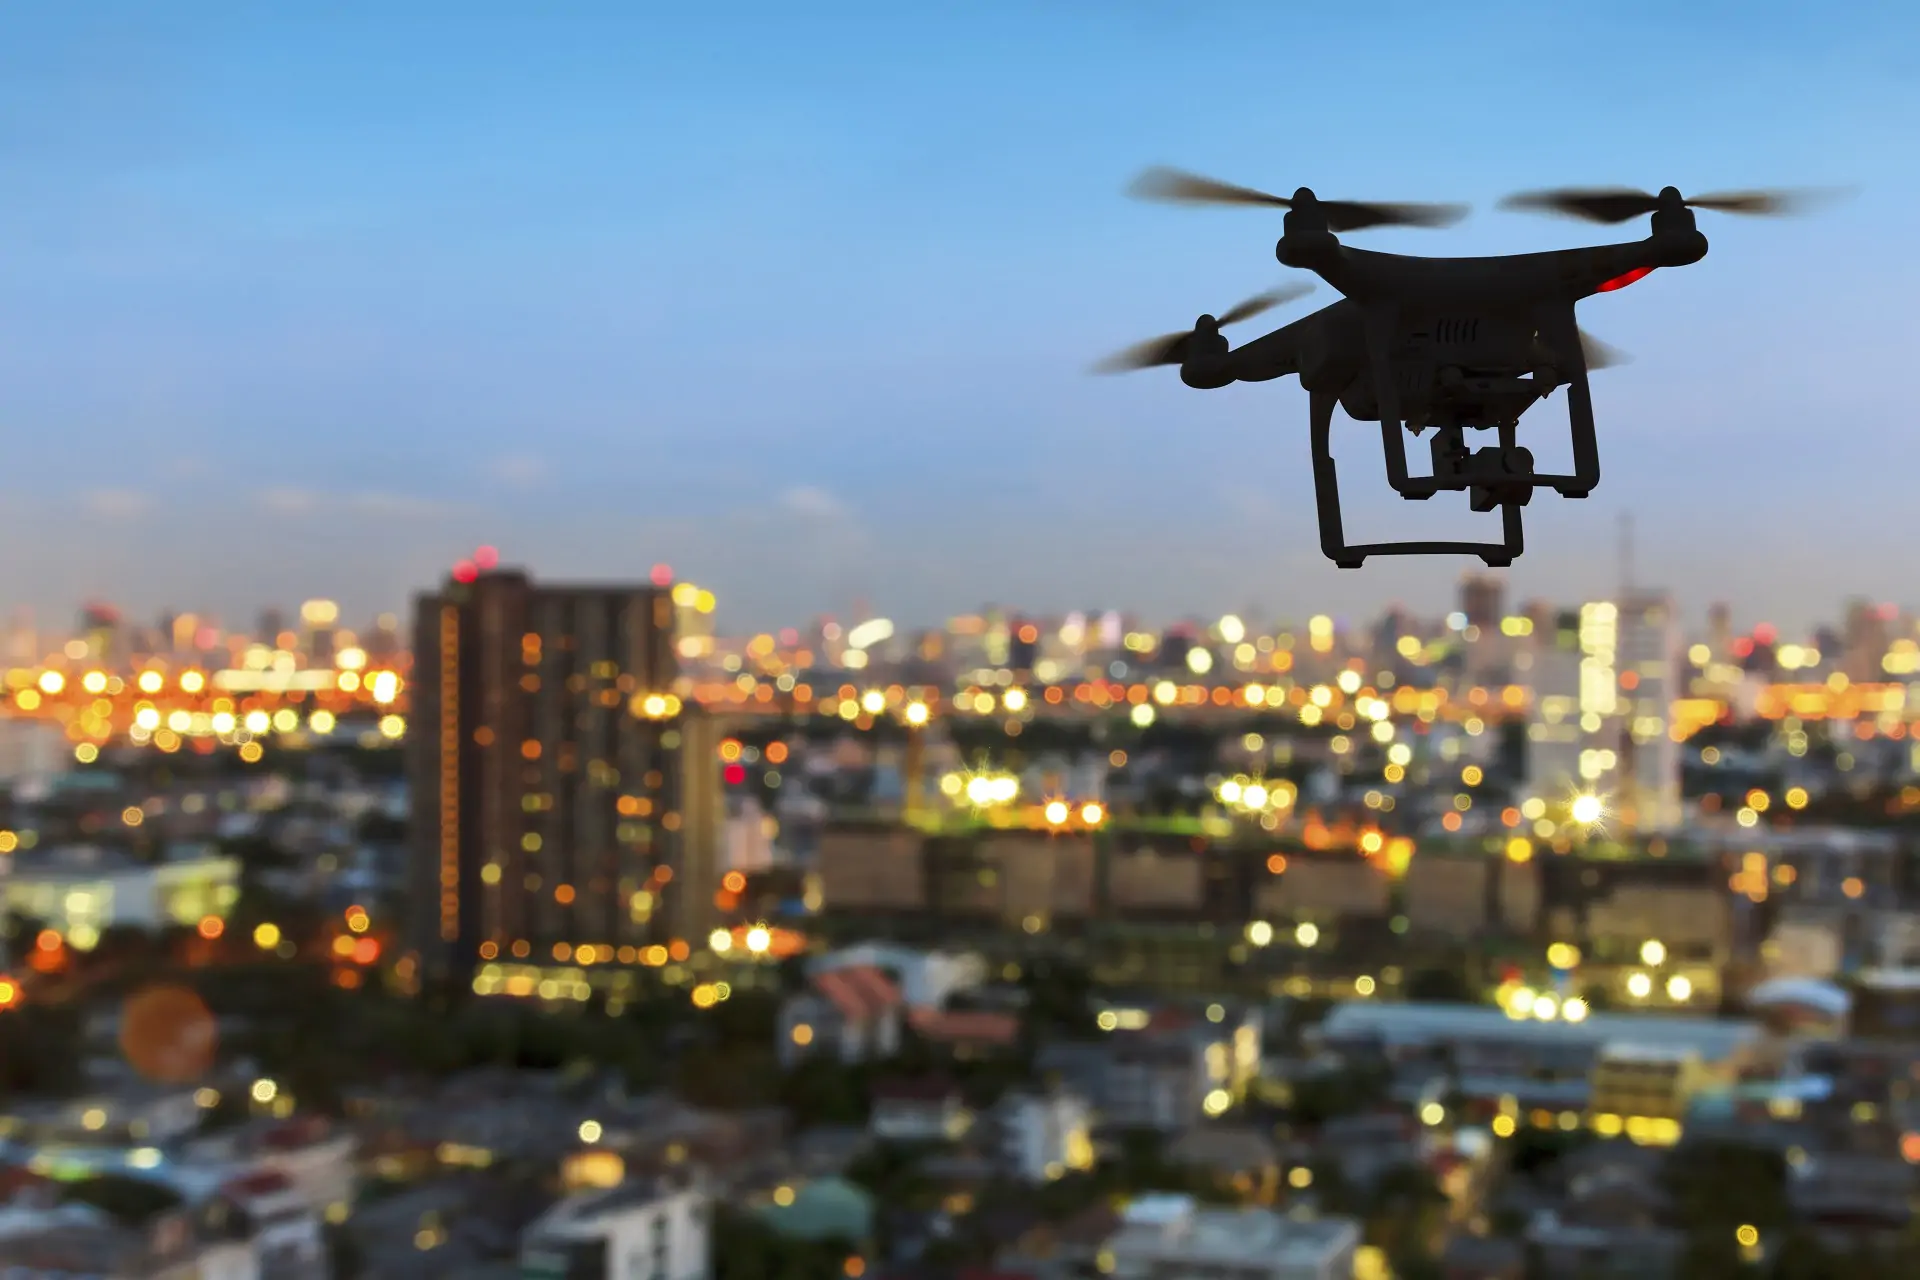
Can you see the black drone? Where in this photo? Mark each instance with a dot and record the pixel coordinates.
(1447, 343)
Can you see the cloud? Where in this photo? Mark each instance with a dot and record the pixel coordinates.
(287, 502)
(518, 469)
(115, 504)
(817, 504)
(396, 504)
(284, 501)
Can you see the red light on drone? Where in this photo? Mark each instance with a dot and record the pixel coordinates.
(465, 571)
(735, 774)
(1765, 633)
(663, 575)
(1622, 281)
(486, 557)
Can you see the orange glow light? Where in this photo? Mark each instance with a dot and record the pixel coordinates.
(212, 927)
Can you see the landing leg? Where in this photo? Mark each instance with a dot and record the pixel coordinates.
(1326, 480)
(1326, 493)
(1557, 326)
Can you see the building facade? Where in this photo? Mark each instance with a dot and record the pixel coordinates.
(564, 797)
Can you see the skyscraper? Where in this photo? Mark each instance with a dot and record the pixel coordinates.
(1482, 601)
(1650, 679)
(1604, 680)
(564, 798)
(1558, 728)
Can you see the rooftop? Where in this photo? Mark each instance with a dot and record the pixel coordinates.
(1406, 1023)
(1164, 1225)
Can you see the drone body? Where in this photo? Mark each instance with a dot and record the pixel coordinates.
(1453, 344)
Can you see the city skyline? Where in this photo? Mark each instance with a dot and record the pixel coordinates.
(281, 307)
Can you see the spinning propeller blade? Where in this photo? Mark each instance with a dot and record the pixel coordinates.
(1621, 204)
(1177, 187)
(1169, 348)
(1599, 355)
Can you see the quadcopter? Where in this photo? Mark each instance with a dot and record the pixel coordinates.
(1452, 344)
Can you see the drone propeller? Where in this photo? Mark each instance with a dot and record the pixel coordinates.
(1170, 348)
(1176, 187)
(1621, 204)
(1599, 355)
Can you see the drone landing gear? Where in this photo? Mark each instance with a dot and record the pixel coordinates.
(1333, 542)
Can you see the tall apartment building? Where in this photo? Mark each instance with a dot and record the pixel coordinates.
(563, 795)
(1650, 678)
(1604, 678)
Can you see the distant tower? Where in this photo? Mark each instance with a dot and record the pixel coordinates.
(1720, 630)
(1483, 599)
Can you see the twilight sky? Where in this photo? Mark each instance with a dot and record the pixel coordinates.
(800, 299)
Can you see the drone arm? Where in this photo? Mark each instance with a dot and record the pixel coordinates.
(1604, 268)
(1273, 355)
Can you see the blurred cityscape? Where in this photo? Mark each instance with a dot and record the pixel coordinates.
(553, 930)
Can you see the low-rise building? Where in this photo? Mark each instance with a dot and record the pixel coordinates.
(1044, 1136)
(1163, 1235)
(643, 1228)
(916, 1111)
(851, 1012)
(80, 891)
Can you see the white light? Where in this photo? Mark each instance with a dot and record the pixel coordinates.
(1639, 986)
(870, 633)
(1587, 809)
(758, 940)
(1307, 934)
(1652, 952)
(1678, 988)
(1260, 933)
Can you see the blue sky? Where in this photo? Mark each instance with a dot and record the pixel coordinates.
(800, 298)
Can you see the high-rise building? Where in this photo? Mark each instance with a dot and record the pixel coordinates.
(1867, 637)
(1483, 600)
(1552, 666)
(1604, 681)
(563, 795)
(1649, 640)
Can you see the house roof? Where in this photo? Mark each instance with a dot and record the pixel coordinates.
(977, 1026)
(861, 993)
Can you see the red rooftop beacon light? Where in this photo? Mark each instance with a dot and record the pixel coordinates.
(487, 558)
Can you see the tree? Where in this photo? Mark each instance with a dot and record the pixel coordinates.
(1712, 1255)
(1717, 1186)
(1059, 997)
(746, 1248)
(40, 1049)
(1802, 1256)
(822, 1090)
(1438, 985)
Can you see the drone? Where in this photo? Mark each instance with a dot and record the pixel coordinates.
(1451, 344)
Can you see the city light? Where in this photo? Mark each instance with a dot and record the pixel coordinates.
(1587, 809)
